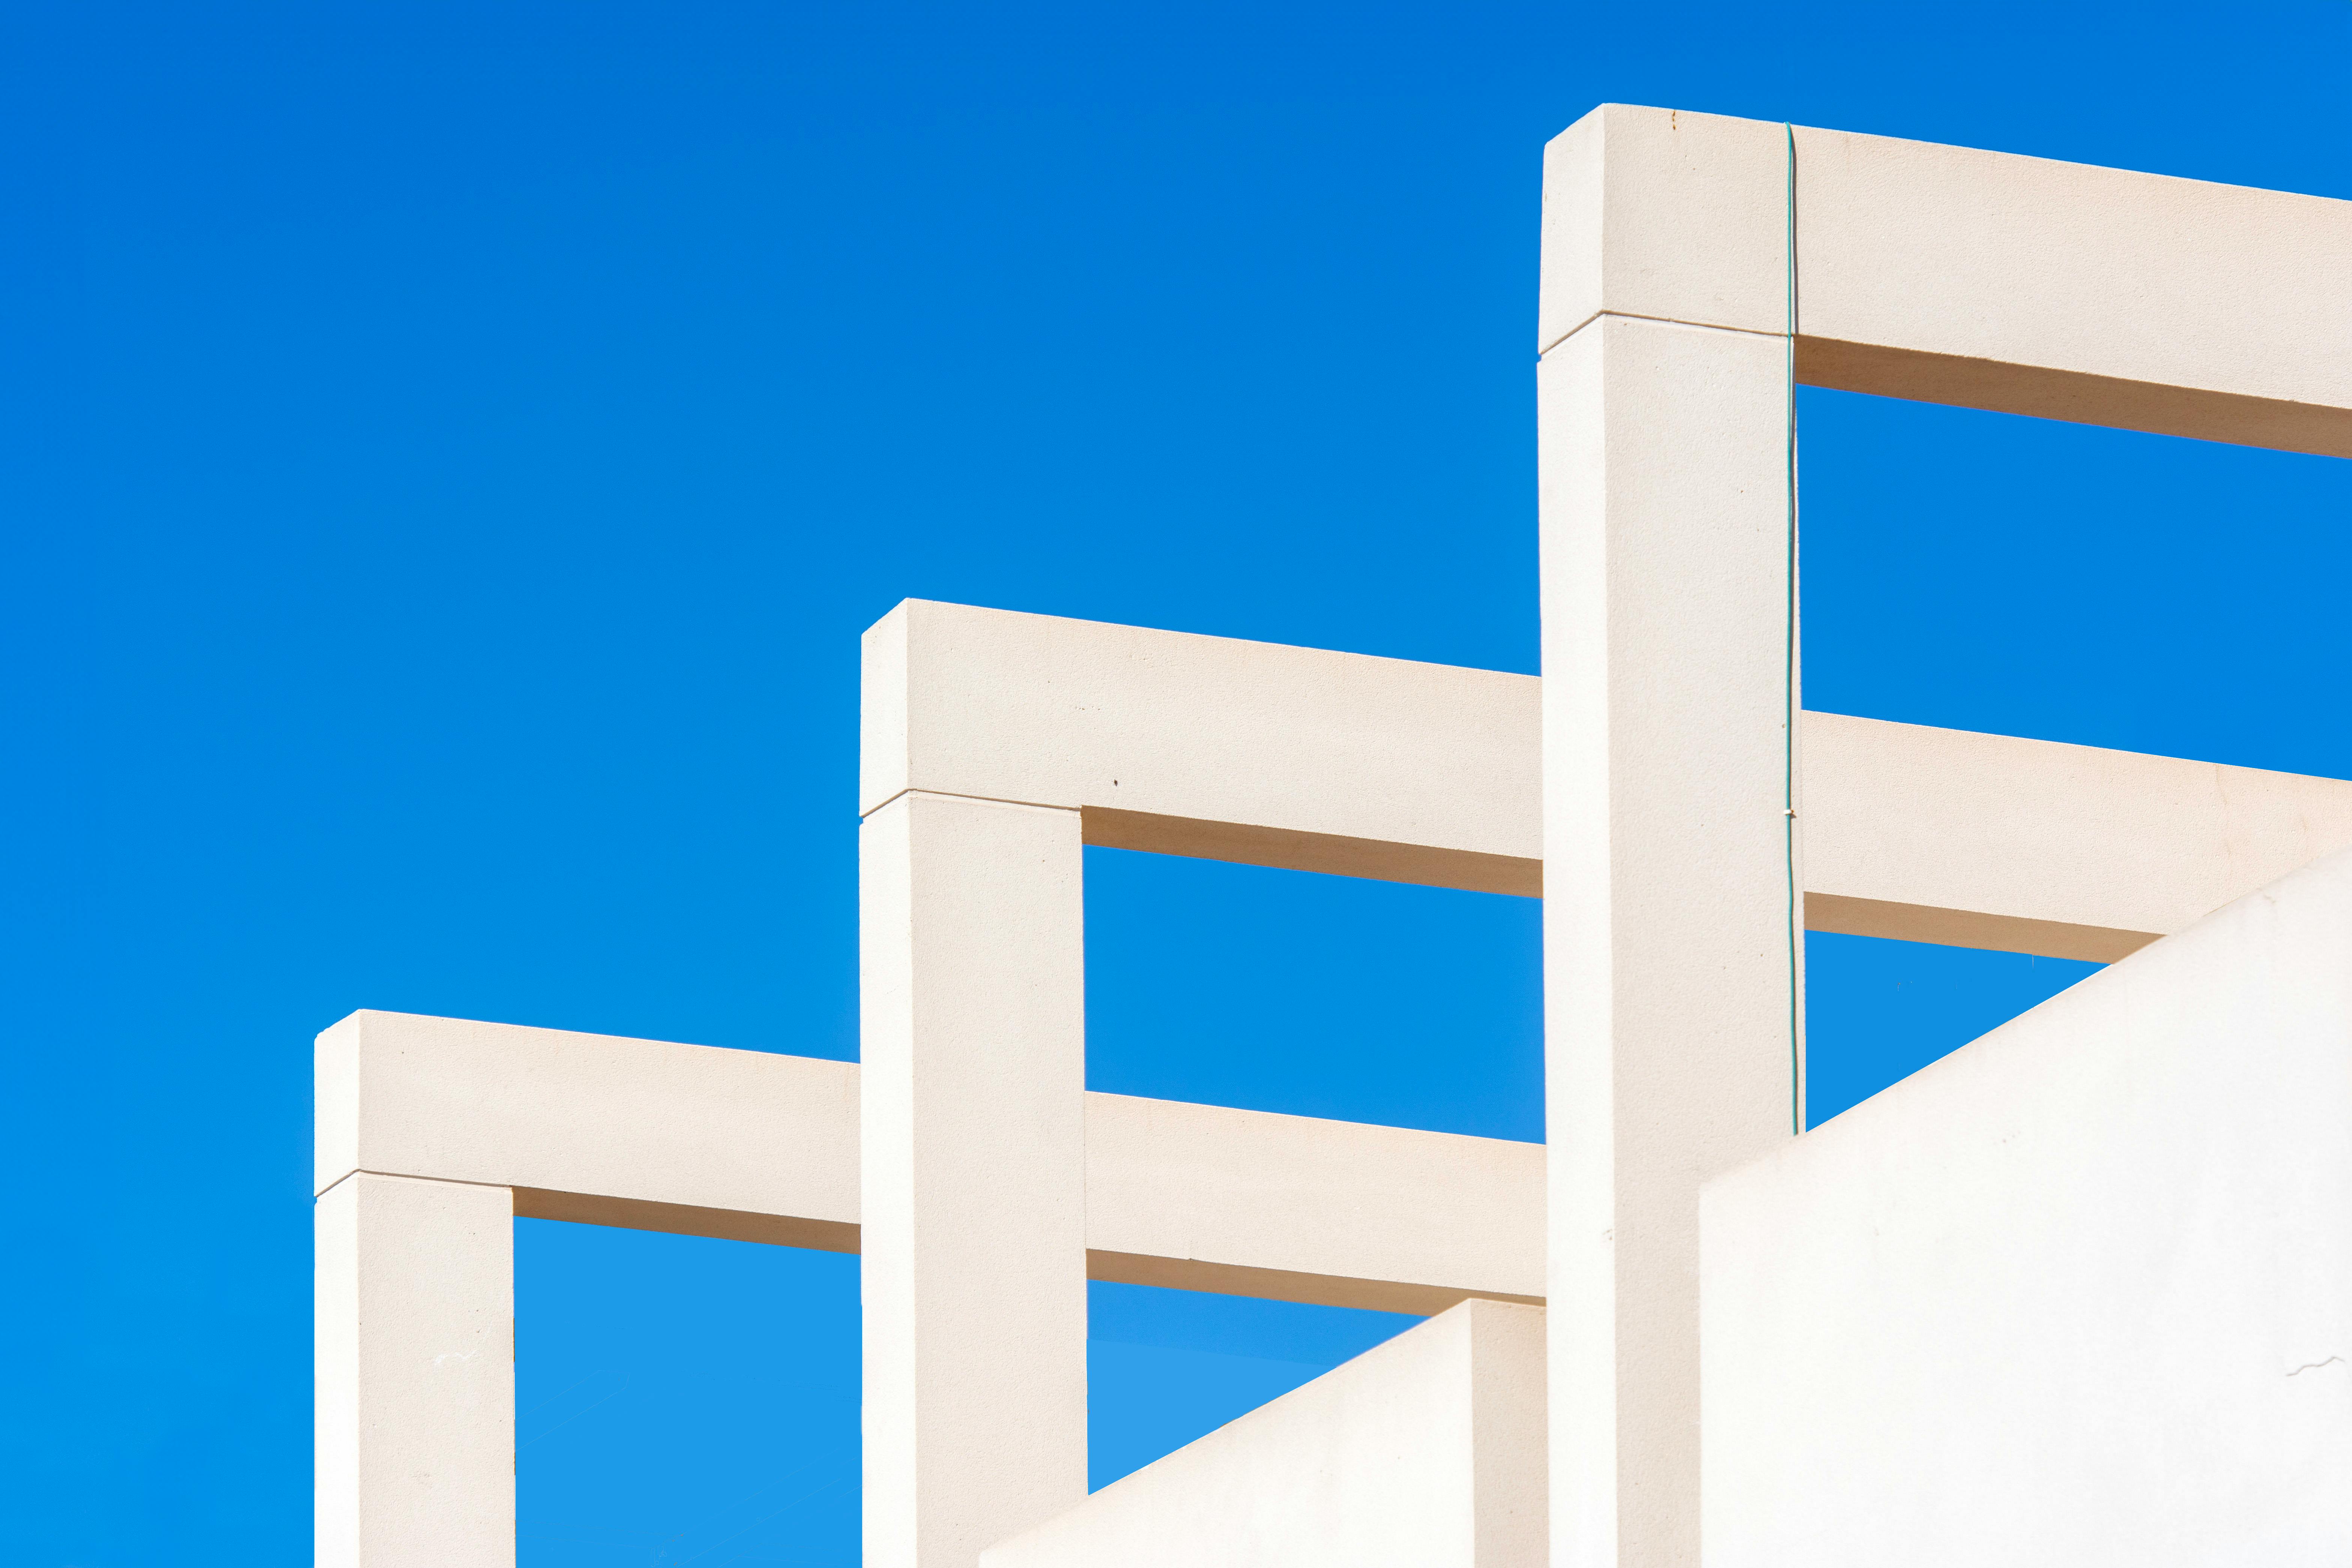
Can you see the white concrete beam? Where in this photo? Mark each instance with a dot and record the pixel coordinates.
(973, 1183)
(754, 1146)
(1671, 961)
(1212, 746)
(2080, 1292)
(593, 1128)
(1951, 275)
(1923, 833)
(1201, 1198)
(414, 1422)
(2032, 846)
(1423, 1452)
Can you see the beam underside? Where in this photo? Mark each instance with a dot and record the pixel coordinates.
(2075, 398)
(1415, 1298)
(1199, 1198)
(1497, 1177)
(1427, 866)
(1911, 832)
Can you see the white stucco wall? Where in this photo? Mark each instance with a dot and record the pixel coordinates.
(2079, 1293)
(1423, 1452)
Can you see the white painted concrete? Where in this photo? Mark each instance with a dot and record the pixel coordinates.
(1204, 1197)
(1423, 1452)
(754, 1146)
(1952, 275)
(1304, 758)
(992, 1184)
(415, 1425)
(2121, 298)
(597, 1128)
(2081, 1292)
(1212, 746)
(414, 1375)
(1668, 946)
(2032, 846)
(974, 1174)
(1664, 216)
(1933, 834)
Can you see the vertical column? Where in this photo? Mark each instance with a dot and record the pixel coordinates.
(1668, 656)
(971, 925)
(416, 1375)
(1507, 1443)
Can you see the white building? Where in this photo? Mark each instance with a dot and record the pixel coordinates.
(2080, 1293)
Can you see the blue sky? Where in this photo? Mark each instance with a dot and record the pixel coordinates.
(450, 452)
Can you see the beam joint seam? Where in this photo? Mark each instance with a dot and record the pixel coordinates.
(401, 1176)
(1662, 321)
(952, 795)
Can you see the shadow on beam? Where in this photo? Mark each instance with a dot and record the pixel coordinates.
(1327, 853)
(1280, 1285)
(1121, 1267)
(1965, 927)
(685, 1219)
(2075, 398)
(1479, 873)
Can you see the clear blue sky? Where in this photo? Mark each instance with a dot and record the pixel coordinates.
(450, 451)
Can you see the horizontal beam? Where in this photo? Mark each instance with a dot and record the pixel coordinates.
(1992, 841)
(1211, 746)
(755, 1146)
(598, 1117)
(1247, 1203)
(1424, 772)
(1951, 275)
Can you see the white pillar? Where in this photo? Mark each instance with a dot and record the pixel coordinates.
(415, 1375)
(1668, 655)
(971, 925)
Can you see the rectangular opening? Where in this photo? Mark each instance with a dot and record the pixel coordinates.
(2064, 581)
(1876, 1011)
(1166, 1367)
(1313, 994)
(682, 1400)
